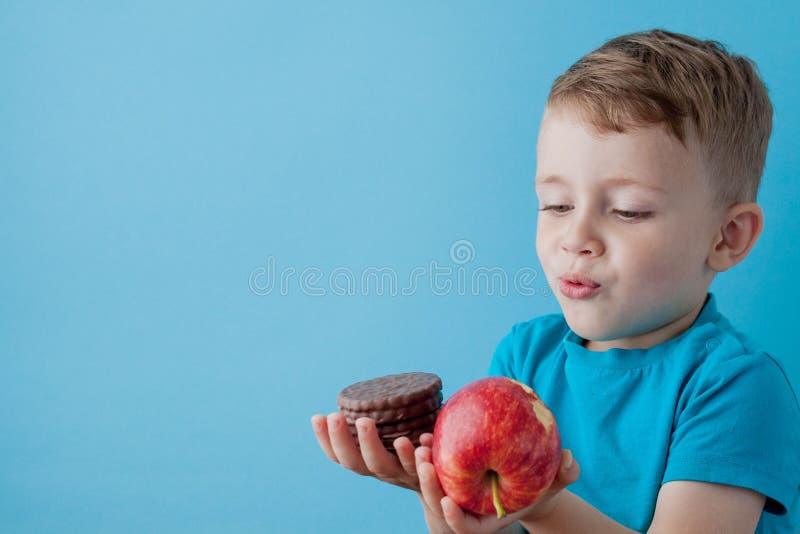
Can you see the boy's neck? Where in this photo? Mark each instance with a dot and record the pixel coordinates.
(652, 338)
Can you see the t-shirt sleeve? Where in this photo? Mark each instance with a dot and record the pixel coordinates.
(740, 425)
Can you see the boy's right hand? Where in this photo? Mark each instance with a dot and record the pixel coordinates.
(370, 457)
(443, 515)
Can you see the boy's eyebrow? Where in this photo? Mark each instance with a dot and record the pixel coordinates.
(614, 181)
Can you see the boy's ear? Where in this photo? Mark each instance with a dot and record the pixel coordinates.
(740, 229)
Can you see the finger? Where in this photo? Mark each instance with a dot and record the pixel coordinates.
(423, 454)
(405, 453)
(377, 459)
(343, 444)
(320, 426)
(454, 516)
(568, 472)
(426, 439)
(460, 521)
(429, 483)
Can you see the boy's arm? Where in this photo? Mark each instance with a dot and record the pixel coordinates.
(689, 506)
(682, 507)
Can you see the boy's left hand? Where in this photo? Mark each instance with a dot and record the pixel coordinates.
(369, 457)
(441, 510)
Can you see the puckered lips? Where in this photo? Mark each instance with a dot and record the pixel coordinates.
(577, 286)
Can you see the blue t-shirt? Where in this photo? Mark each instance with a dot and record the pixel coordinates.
(708, 405)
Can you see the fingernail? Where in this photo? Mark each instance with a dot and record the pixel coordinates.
(568, 460)
(334, 423)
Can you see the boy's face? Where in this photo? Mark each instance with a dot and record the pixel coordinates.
(630, 213)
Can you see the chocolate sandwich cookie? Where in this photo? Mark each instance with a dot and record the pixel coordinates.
(426, 406)
(389, 392)
(402, 405)
(388, 442)
(422, 421)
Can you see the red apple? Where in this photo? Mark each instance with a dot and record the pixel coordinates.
(496, 446)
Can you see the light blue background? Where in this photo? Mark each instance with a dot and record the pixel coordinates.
(154, 156)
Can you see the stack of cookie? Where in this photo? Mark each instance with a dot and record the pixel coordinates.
(402, 405)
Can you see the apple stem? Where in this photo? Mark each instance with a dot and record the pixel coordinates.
(496, 496)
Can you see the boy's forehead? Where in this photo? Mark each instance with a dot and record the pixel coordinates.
(572, 119)
(568, 145)
(610, 182)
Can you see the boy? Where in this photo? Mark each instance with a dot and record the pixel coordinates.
(649, 158)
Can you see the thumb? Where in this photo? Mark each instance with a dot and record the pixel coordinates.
(568, 472)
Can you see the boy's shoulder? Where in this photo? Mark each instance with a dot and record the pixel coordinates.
(716, 355)
(723, 342)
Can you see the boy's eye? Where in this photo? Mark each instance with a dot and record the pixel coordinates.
(556, 208)
(633, 215)
(625, 215)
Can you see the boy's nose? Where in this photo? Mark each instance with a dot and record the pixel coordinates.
(582, 239)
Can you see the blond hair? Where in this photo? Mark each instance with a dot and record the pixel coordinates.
(653, 77)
